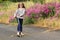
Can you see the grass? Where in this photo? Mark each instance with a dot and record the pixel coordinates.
(52, 24)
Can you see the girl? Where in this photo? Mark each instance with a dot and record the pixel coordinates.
(19, 14)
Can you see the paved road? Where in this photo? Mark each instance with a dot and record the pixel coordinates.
(8, 32)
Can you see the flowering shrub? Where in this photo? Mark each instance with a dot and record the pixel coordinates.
(11, 18)
(43, 10)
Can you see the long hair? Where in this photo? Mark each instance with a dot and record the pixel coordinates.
(22, 6)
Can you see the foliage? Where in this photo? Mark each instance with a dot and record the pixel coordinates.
(43, 10)
(5, 5)
(29, 21)
(40, 1)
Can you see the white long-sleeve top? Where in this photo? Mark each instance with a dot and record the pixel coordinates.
(20, 13)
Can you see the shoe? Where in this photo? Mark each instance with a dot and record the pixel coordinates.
(22, 34)
(18, 34)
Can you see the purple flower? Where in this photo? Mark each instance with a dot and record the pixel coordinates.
(11, 18)
(46, 11)
(46, 8)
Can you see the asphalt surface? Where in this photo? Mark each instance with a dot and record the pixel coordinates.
(8, 32)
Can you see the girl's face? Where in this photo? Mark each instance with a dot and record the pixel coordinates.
(21, 5)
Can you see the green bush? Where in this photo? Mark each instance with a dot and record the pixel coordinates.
(28, 20)
(31, 20)
(52, 13)
(0, 1)
(41, 1)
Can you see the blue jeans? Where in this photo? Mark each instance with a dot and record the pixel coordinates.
(20, 22)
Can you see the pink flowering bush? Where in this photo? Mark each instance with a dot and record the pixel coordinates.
(11, 19)
(43, 10)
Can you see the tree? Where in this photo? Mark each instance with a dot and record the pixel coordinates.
(0, 0)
